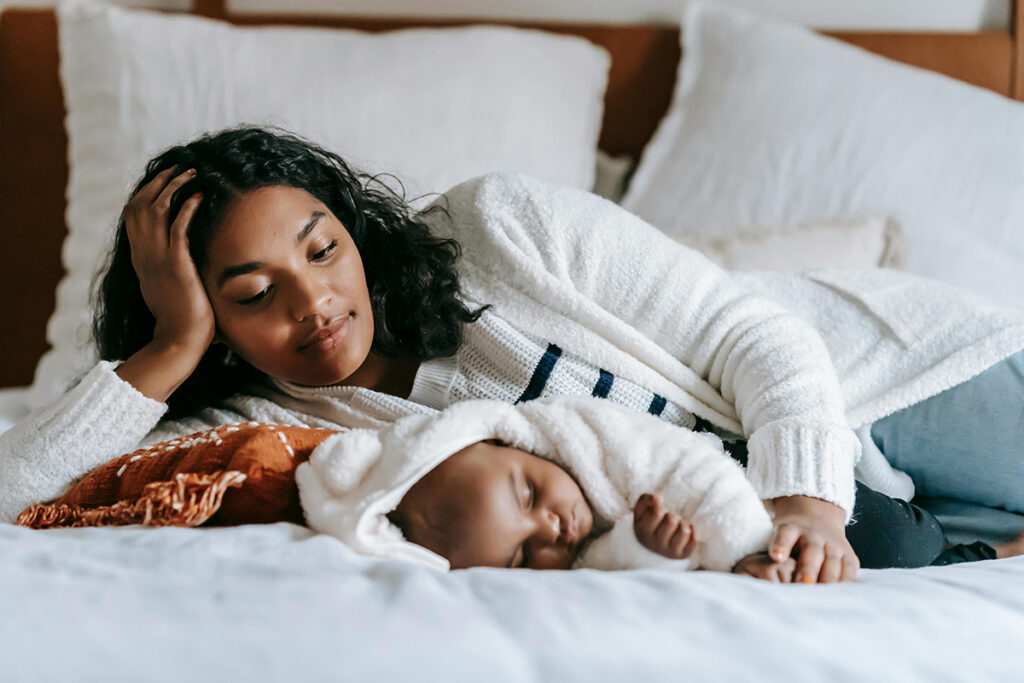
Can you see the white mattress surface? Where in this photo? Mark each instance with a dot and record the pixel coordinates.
(278, 603)
(275, 603)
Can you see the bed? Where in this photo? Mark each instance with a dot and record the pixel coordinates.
(278, 602)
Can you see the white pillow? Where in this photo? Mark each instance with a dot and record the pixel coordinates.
(871, 242)
(612, 174)
(433, 106)
(772, 124)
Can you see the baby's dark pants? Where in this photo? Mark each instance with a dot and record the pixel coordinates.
(888, 532)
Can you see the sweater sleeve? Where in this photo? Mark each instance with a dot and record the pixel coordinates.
(588, 259)
(100, 418)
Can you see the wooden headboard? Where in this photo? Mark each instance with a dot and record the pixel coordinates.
(33, 166)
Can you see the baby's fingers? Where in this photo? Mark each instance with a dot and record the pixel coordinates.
(684, 542)
(665, 531)
(648, 512)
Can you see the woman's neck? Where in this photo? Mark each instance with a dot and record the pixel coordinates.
(394, 376)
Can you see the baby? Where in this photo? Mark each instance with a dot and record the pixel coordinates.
(564, 483)
(491, 505)
(546, 484)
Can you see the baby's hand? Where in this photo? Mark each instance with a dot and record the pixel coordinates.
(760, 566)
(660, 531)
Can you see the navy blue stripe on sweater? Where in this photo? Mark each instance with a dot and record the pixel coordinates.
(541, 373)
(657, 405)
(604, 385)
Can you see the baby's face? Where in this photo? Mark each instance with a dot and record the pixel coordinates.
(490, 505)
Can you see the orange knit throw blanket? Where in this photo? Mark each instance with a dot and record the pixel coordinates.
(234, 474)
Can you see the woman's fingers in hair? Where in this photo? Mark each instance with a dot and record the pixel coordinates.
(152, 189)
(163, 199)
(179, 228)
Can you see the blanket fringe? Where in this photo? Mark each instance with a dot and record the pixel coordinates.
(187, 500)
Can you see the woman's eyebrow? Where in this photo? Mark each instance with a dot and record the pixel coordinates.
(234, 271)
(243, 268)
(308, 227)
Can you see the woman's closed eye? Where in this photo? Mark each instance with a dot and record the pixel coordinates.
(324, 253)
(316, 257)
(256, 298)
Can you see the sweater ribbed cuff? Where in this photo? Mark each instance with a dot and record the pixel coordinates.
(789, 459)
(105, 413)
(100, 418)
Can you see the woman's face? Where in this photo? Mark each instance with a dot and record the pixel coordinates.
(288, 290)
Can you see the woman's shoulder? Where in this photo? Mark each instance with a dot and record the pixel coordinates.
(499, 212)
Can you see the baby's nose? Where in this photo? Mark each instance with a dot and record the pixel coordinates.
(554, 523)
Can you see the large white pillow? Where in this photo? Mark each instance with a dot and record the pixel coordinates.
(435, 107)
(773, 125)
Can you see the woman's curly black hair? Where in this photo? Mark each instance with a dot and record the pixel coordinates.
(410, 274)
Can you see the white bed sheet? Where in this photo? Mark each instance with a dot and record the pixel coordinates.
(276, 603)
(264, 603)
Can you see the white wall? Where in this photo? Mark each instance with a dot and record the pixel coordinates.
(950, 15)
(933, 15)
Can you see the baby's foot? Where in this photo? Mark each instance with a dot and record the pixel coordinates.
(661, 531)
(1011, 548)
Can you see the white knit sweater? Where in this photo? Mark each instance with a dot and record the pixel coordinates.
(793, 362)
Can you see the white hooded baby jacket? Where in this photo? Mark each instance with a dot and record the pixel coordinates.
(355, 478)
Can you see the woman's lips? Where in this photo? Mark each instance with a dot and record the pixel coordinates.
(327, 337)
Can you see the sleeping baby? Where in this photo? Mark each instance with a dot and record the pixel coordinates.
(570, 482)
(554, 483)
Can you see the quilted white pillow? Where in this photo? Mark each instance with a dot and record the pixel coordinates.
(435, 107)
(773, 125)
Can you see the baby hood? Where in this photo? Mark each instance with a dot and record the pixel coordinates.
(355, 478)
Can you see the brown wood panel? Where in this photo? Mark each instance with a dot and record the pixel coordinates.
(1018, 61)
(33, 173)
(984, 59)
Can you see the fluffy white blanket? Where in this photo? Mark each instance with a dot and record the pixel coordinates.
(354, 479)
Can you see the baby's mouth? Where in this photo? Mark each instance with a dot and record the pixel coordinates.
(571, 529)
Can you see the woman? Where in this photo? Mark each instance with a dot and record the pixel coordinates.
(251, 261)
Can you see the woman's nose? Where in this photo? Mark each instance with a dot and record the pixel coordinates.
(310, 298)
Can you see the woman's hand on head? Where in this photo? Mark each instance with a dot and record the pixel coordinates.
(168, 276)
(813, 532)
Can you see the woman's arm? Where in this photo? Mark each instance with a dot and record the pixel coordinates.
(170, 286)
(98, 419)
(596, 263)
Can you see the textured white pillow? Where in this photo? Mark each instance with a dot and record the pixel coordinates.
(434, 106)
(612, 174)
(774, 125)
(871, 242)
